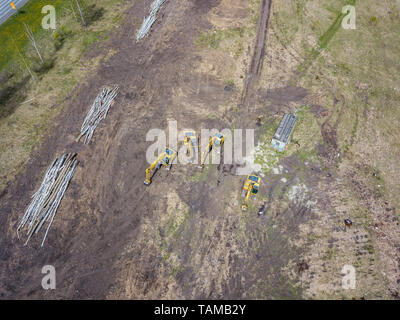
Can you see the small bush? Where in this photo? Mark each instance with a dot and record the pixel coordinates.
(6, 94)
(11, 91)
(58, 43)
(60, 36)
(66, 71)
(93, 14)
(373, 21)
(5, 76)
(41, 69)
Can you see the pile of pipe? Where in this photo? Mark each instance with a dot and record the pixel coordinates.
(97, 112)
(46, 200)
(149, 20)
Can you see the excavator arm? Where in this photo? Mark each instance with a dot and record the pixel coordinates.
(164, 159)
(217, 140)
(247, 197)
(190, 147)
(188, 143)
(205, 153)
(150, 169)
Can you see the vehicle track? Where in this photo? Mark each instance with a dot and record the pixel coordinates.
(247, 99)
(107, 240)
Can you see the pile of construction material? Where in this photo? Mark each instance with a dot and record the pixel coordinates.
(97, 112)
(46, 200)
(149, 20)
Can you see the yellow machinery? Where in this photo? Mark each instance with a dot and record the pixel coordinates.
(250, 187)
(190, 141)
(217, 140)
(164, 159)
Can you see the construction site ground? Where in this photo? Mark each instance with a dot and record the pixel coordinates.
(211, 64)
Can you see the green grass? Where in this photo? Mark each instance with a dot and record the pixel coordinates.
(330, 254)
(305, 134)
(12, 32)
(369, 248)
(328, 35)
(213, 38)
(232, 39)
(14, 42)
(18, 54)
(24, 126)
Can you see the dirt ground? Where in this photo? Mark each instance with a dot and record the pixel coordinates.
(184, 236)
(106, 204)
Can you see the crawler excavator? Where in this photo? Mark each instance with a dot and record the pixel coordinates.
(164, 159)
(191, 142)
(250, 187)
(216, 141)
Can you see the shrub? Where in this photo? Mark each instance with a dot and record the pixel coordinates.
(41, 69)
(93, 14)
(60, 36)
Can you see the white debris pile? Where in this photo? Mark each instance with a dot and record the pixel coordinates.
(261, 159)
(299, 194)
(149, 20)
(278, 169)
(46, 200)
(97, 112)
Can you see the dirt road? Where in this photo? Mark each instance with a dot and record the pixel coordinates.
(258, 56)
(106, 200)
(182, 237)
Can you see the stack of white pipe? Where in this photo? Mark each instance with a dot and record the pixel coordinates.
(149, 20)
(46, 200)
(97, 112)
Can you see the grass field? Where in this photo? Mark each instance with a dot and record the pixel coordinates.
(342, 160)
(352, 77)
(28, 105)
(358, 68)
(12, 35)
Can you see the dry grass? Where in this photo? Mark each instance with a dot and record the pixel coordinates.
(360, 66)
(24, 129)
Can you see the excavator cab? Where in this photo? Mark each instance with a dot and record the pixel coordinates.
(169, 158)
(251, 186)
(217, 140)
(190, 136)
(256, 180)
(164, 159)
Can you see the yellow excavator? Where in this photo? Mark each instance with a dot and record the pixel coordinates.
(191, 142)
(251, 186)
(164, 159)
(217, 141)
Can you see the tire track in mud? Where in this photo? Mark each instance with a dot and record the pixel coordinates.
(329, 131)
(247, 99)
(104, 206)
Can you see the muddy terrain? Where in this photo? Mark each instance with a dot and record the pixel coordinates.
(106, 204)
(184, 236)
